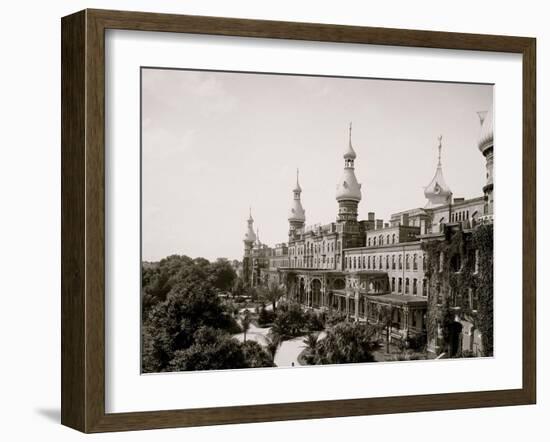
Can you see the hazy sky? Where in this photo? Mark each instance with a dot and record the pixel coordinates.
(216, 143)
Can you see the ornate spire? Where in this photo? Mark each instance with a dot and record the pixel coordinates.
(297, 213)
(349, 154)
(437, 192)
(250, 236)
(297, 189)
(349, 188)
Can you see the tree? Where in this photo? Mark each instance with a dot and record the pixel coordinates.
(211, 350)
(273, 341)
(347, 343)
(272, 294)
(256, 356)
(311, 341)
(223, 274)
(170, 325)
(384, 314)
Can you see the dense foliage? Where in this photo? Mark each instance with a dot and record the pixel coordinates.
(186, 324)
(347, 342)
(451, 269)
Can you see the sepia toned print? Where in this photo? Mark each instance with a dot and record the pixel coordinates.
(391, 261)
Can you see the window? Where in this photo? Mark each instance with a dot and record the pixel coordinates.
(400, 262)
(393, 262)
(474, 299)
(354, 263)
(400, 285)
(424, 262)
(415, 288)
(387, 262)
(380, 240)
(393, 284)
(407, 285)
(364, 263)
(424, 287)
(380, 262)
(368, 262)
(393, 239)
(454, 300)
(368, 242)
(456, 263)
(387, 239)
(407, 264)
(374, 241)
(415, 263)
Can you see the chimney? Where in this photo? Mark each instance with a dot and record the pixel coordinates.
(379, 224)
(386, 224)
(405, 219)
(371, 216)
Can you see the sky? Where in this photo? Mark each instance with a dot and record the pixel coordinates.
(216, 143)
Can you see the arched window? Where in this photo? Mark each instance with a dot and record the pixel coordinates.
(387, 262)
(374, 240)
(387, 239)
(393, 239)
(380, 262)
(354, 263)
(381, 240)
(415, 263)
(368, 262)
(393, 262)
(399, 285)
(400, 263)
(368, 242)
(407, 286)
(423, 262)
(364, 262)
(424, 287)
(393, 284)
(407, 264)
(415, 286)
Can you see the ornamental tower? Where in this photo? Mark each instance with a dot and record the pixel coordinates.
(437, 192)
(297, 214)
(249, 239)
(485, 145)
(348, 190)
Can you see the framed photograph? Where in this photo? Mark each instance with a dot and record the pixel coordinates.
(266, 221)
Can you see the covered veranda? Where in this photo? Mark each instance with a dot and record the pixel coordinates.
(405, 312)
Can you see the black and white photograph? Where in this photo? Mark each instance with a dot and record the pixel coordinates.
(301, 220)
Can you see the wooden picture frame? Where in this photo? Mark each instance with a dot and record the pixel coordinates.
(83, 220)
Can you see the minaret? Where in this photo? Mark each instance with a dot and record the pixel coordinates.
(249, 239)
(297, 214)
(437, 192)
(348, 190)
(485, 145)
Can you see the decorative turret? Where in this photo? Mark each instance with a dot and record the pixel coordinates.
(249, 239)
(249, 236)
(437, 192)
(297, 214)
(485, 145)
(348, 190)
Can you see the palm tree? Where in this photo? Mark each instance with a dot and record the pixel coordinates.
(272, 294)
(311, 341)
(245, 323)
(273, 341)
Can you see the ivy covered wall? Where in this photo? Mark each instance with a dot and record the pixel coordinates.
(460, 273)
